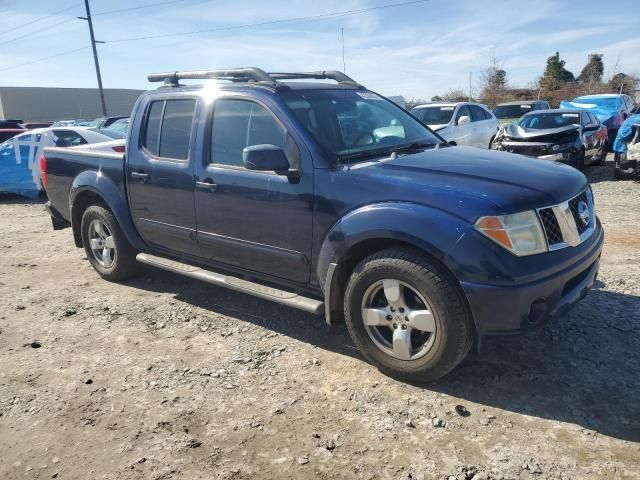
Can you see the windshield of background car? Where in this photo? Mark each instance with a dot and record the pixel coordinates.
(109, 132)
(543, 121)
(436, 115)
(348, 122)
(609, 103)
(511, 111)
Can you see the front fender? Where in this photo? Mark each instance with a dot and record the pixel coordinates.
(115, 198)
(431, 230)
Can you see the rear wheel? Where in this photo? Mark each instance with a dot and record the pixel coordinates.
(407, 316)
(106, 247)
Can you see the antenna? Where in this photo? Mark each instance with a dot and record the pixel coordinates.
(344, 65)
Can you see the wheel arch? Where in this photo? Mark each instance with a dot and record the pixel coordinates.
(90, 188)
(370, 230)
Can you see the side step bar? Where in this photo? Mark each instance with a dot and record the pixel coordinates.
(289, 299)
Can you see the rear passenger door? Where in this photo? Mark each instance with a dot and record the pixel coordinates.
(259, 221)
(160, 174)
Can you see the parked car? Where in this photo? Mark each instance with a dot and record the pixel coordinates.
(18, 155)
(32, 125)
(611, 109)
(7, 133)
(575, 137)
(299, 193)
(121, 125)
(464, 123)
(105, 122)
(626, 148)
(510, 112)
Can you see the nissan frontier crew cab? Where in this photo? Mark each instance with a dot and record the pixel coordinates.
(327, 197)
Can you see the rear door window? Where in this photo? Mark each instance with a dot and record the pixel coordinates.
(68, 138)
(168, 129)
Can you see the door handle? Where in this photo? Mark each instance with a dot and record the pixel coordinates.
(206, 184)
(140, 175)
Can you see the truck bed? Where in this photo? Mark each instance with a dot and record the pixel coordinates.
(64, 165)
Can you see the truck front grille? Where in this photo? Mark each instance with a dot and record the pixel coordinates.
(569, 223)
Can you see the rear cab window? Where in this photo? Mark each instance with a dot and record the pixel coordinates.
(168, 129)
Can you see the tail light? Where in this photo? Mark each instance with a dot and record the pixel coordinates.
(43, 171)
(118, 148)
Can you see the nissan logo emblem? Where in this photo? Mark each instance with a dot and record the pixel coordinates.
(583, 212)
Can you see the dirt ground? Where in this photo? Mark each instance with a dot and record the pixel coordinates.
(163, 377)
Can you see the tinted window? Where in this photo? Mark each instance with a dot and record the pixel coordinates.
(175, 135)
(436, 115)
(67, 138)
(152, 133)
(238, 124)
(463, 111)
(477, 113)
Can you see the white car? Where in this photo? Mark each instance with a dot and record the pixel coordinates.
(465, 123)
(19, 156)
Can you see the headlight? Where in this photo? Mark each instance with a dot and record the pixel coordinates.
(520, 233)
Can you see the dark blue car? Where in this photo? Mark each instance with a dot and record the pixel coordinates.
(329, 198)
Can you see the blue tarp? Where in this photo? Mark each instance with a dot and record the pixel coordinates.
(18, 165)
(625, 132)
(603, 107)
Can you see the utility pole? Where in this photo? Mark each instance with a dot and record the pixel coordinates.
(469, 86)
(95, 55)
(344, 65)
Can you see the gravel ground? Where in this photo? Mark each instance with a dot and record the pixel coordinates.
(166, 378)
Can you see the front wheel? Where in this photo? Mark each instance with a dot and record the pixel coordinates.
(407, 316)
(602, 154)
(106, 247)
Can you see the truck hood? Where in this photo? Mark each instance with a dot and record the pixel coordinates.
(469, 182)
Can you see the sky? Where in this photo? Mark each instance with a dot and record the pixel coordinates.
(415, 49)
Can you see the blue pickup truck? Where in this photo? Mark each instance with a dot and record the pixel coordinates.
(324, 196)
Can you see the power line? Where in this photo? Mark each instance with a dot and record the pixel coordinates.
(272, 22)
(30, 34)
(45, 58)
(41, 18)
(158, 4)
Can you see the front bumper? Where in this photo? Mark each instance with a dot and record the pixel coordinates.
(500, 309)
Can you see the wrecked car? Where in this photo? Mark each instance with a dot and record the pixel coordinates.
(610, 108)
(575, 137)
(626, 149)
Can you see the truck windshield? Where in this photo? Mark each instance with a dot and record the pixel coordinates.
(436, 115)
(352, 124)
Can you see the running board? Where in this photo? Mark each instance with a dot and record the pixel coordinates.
(289, 299)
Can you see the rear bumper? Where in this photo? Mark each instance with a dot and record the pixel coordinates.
(513, 309)
(57, 220)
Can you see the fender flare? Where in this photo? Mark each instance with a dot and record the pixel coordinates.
(114, 197)
(428, 229)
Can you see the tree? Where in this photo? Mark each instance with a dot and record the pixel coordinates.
(592, 72)
(493, 84)
(555, 74)
(456, 95)
(623, 83)
(436, 98)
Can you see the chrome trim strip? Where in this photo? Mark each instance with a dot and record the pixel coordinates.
(567, 223)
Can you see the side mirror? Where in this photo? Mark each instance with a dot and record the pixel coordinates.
(265, 158)
(591, 127)
(452, 143)
(464, 120)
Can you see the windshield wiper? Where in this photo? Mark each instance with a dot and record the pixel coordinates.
(365, 154)
(413, 147)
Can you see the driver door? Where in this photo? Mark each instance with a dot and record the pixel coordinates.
(462, 134)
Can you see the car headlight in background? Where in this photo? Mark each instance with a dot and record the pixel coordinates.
(520, 233)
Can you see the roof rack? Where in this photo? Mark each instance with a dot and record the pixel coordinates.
(250, 74)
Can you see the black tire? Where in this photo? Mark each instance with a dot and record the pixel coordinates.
(579, 162)
(603, 154)
(491, 143)
(454, 331)
(123, 263)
